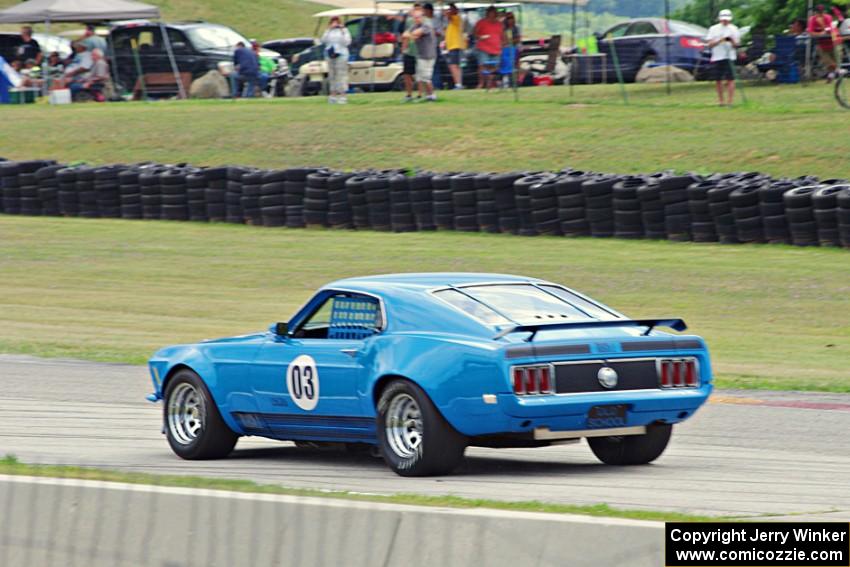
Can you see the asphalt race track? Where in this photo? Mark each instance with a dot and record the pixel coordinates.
(745, 453)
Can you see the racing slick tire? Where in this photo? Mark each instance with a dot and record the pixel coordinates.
(632, 449)
(414, 438)
(193, 424)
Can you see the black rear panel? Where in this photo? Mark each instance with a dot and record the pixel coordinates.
(583, 376)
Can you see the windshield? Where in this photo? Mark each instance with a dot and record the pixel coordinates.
(523, 303)
(213, 37)
(687, 29)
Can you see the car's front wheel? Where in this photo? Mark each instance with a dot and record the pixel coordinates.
(632, 449)
(193, 424)
(414, 438)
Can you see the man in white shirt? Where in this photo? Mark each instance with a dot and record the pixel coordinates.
(723, 38)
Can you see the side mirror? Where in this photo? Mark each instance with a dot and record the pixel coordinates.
(179, 46)
(281, 329)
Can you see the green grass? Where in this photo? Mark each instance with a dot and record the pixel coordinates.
(783, 130)
(112, 290)
(11, 466)
(263, 19)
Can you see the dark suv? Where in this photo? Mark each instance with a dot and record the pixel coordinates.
(198, 47)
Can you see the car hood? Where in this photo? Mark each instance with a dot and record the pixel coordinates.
(237, 339)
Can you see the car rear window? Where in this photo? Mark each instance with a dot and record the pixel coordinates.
(522, 303)
(687, 29)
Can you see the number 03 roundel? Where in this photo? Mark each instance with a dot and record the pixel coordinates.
(302, 381)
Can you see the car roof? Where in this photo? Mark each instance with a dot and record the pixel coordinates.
(426, 280)
(288, 40)
(360, 12)
(180, 25)
(653, 20)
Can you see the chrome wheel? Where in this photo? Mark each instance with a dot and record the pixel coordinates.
(404, 426)
(186, 413)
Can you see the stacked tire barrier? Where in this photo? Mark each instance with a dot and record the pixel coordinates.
(727, 208)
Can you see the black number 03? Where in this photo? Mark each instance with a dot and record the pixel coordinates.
(302, 384)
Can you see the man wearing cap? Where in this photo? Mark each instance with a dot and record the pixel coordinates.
(723, 38)
(820, 27)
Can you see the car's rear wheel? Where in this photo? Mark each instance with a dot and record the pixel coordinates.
(632, 449)
(414, 438)
(193, 424)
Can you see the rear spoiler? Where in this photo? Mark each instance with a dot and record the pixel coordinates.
(675, 324)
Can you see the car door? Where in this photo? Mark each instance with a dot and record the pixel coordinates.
(138, 48)
(607, 44)
(637, 43)
(305, 384)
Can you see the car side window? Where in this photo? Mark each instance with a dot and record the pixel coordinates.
(122, 40)
(617, 31)
(343, 316)
(642, 28)
(178, 40)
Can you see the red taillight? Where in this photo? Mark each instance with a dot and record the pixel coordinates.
(666, 376)
(690, 374)
(535, 379)
(543, 379)
(678, 373)
(691, 42)
(519, 380)
(531, 381)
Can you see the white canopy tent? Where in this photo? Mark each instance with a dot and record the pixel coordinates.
(76, 11)
(89, 11)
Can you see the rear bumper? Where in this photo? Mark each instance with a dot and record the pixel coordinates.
(567, 413)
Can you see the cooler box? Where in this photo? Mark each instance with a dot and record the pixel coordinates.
(60, 96)
(22, 95)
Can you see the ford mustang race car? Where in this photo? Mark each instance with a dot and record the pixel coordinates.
(423, 365)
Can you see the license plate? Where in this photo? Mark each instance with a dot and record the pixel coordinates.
(606, 416)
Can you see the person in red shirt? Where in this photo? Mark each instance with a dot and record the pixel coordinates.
(488, 33)
(820, 28)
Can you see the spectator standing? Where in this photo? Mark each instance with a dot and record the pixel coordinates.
(423, 34)
(488, 35)
(439, 35)
(246, 72)
(93, 41)
(455, 43)
(820, 28)
(723, 38)
(336, 40)
(28, 48)
(267, 68)
(510, 49)
(408, 48)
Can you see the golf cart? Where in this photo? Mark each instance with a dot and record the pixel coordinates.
(375, 60)
(375, 55)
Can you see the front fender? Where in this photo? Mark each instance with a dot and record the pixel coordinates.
(166, 362)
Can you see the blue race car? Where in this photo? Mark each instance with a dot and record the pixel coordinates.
(423, 365)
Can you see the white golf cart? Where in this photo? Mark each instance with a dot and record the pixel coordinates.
(375, 60)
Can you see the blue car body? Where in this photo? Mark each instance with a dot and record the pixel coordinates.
(382, 328)
(647, 41)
